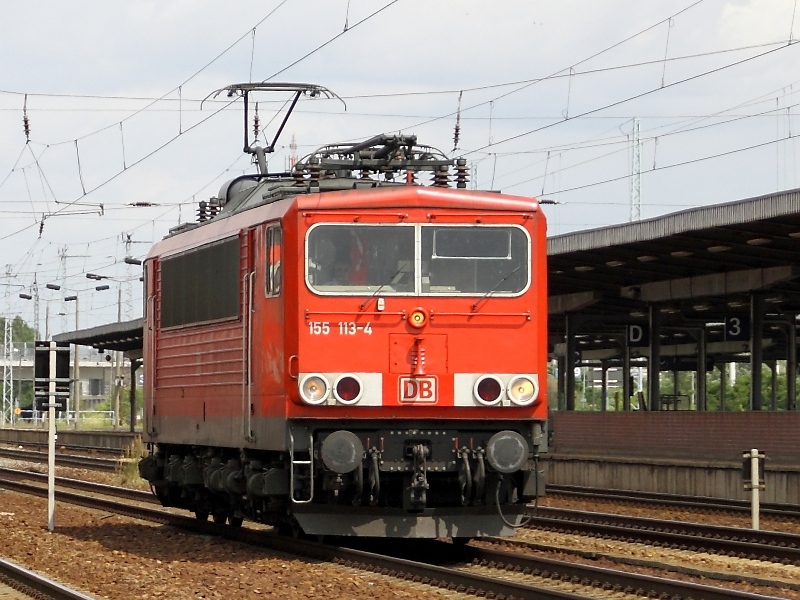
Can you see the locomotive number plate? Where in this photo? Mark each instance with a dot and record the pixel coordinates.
(418, 390)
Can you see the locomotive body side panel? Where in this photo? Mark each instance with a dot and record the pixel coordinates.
(202, 371)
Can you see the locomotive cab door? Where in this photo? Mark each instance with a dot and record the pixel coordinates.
(247, 240)
(264, 319)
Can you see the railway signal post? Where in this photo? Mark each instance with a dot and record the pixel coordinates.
(51, 367)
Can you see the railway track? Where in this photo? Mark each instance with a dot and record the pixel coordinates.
(42, 446)
(84, 486)
(773, 546)
(470, 569)
(694, 502)
(64, 460)
(730, 541)
(18, 583)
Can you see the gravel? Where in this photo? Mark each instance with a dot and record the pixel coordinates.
(119, 558)
(116, 557)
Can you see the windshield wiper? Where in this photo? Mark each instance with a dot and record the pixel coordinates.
(363, 305)
(495, 286)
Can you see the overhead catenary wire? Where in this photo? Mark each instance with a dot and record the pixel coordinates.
(225, 105)
(617, 142)
(637, 96)
(530, 83)
(331, 40)
(674, 165)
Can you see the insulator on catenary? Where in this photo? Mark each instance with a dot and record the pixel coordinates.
(461, 173)
(26, 125)
(314, 171)
(256, 124)
(299, 174)
(441, 177)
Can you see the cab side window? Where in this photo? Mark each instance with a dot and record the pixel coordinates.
(273, 239)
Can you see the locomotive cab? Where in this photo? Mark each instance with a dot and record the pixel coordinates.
(350, 352)
(418, 382)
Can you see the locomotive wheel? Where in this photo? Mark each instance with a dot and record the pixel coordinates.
(461, 541)
(201, 515)
(235, 521)
(220, 518)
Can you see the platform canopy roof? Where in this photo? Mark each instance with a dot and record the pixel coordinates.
(125, 336)
(696, 266)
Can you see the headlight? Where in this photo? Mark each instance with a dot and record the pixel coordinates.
(488, 390)
(314, 389)
(347, 389)
(507, 451)
(523, 390)
(342, 451)
(418, 318)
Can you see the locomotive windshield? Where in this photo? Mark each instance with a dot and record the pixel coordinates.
(418, 259)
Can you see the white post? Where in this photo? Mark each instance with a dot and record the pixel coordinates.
(77, 370)
(51, 446)
(754, 478)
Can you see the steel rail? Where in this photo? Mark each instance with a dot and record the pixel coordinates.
(772, 546)
(35, 585)
(75, 447)
(64, 460)
(85, 486)
(701, 502)
(403, 569)
(455, 579)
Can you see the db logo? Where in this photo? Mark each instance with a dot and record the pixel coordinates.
(415, 390)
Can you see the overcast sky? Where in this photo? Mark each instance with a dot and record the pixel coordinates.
(548, 92)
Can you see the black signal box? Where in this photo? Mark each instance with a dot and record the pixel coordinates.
(747, 471)
(41, 374)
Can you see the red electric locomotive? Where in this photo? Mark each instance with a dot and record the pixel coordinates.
(342, 351)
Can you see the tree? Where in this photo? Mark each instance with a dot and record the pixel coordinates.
(21, 332)
(124, 403)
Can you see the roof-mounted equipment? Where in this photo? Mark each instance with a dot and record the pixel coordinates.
(244, 89)
(384, 156)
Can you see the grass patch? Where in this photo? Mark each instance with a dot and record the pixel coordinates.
(128, 471)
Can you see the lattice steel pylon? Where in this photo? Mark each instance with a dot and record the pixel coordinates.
(636, 173)
(8, 374)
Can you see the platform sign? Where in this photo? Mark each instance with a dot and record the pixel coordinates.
(638, 336)
(737, 328)
(41, 374)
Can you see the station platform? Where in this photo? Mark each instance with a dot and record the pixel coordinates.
(117, 440)
(677, 452)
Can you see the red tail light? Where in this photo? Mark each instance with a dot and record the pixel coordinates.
(348, 389)
(488, 390)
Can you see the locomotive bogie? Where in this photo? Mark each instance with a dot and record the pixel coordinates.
(414, 482)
